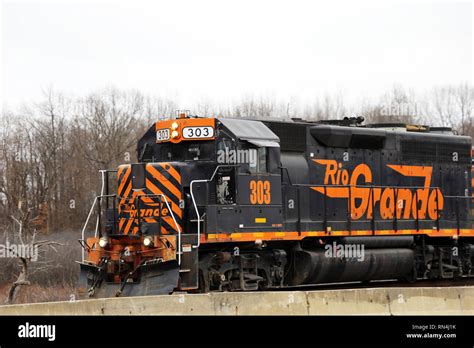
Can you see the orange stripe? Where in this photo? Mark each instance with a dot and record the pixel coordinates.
(252, 236)
(466, 232)
(146, 199)
(157, 175)
(174, 173)
(170, 222)
(127, 192)
(130, 220)
(127, 227)
(124, 180)
(172, 189)
(122, 220)
(119, 171)
(127, 198)
(157, 191)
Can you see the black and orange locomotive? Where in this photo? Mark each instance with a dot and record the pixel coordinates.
(239, 204)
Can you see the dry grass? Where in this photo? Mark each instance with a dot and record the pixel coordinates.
(37, 293)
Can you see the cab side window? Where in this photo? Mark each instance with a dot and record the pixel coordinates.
(225, 178)
(225, 145)
(262, 160)
(258, 160)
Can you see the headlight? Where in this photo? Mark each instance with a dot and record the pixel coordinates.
(174, 134)
(103, 242)
(174, 126)
(148, 241)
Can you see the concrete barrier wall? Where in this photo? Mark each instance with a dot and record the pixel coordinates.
(377, 301)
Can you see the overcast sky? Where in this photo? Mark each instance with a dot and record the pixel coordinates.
(222, 50)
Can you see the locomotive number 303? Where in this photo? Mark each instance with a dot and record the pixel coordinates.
(260, 192)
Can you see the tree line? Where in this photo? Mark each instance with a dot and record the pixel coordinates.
(51, 151)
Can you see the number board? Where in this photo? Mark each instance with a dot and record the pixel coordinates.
(198, 132)
(260, 192)
(162, 134)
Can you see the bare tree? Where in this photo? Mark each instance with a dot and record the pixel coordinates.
(443, 106)
(204, 108)
(452, 106)
(464, 99)
(398, 105)
(26, 249)
(327, 107)
(257, 107)
(157, 108)
(107, 127)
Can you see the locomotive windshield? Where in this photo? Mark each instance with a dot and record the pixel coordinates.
(184, 151)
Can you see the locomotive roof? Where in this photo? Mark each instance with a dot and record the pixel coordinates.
(253, 131)
(351, 125)
(355, 122)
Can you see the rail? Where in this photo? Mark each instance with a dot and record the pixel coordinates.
(85, 226)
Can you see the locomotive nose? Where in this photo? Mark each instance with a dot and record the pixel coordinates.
(130, 266)
(149, 199)
(159, 278)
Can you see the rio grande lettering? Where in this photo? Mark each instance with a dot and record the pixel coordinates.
(146, 212)
(408, 203)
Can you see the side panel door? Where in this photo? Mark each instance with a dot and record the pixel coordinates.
(259, 196)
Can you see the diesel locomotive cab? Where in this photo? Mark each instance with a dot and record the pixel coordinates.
(148, 232)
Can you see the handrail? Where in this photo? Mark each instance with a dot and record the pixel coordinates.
(102, 174)
(371, 199)
(416, 211)
(88, 218)
(87, 221)
(194, 201)
(161, 216)
(177, 226)
(98, 198)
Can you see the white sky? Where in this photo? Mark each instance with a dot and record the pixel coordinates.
(222, 50)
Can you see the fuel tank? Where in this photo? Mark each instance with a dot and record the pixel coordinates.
(316, 266)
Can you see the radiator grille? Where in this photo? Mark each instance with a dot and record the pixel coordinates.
(292, 136)
(440, 152)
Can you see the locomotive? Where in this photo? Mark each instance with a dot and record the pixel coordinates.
(224, 204)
